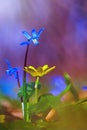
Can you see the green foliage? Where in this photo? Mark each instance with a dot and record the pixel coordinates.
(30, 90)
(47, 101)
(44, 103)
(71, 117)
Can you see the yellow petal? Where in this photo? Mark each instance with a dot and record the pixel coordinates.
(45, 67)
(48, 70)
(39, 71)
(31, 70)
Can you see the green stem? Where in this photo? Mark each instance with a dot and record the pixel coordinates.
(81, 101)
(28, 115)
(25, 100)
(18, 81)
(64, 91)
(24, 84)
(21, 98)
(36, 89)
(72, 88)
(74, 93)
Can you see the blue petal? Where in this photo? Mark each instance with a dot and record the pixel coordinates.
(35, 41)
(15, 75)
(34, 34)
(25, 43)
(40, 31)
(13, 70)
(8, 63)
(27, 35)
(8, 72)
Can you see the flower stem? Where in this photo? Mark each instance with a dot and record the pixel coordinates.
(25, 63)
(21, 98)
(24, 85)
(18, 81)
(74, 93)
(25, 100)
(27, 115)
(36, 89)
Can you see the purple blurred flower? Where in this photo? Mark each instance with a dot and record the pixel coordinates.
(84, 88)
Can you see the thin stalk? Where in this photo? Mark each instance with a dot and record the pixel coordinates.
(18, 81)
(24, 85)
(25, 63)
(81, 101)
(74, 93)
(27, 115)
(64, 91)
(36, 89)
(72, 88)
(21, 98)
(25, 100)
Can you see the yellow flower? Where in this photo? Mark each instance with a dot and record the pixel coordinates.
(40, 71)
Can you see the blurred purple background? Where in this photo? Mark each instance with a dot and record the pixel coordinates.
(63, 42)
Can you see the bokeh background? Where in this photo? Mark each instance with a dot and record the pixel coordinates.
(63, 42)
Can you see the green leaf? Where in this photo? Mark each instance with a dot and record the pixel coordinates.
(30, 90)
(47, 101)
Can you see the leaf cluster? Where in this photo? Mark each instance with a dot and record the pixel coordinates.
(30, 89)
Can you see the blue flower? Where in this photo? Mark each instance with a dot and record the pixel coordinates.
(11, 71)
(33, 37)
